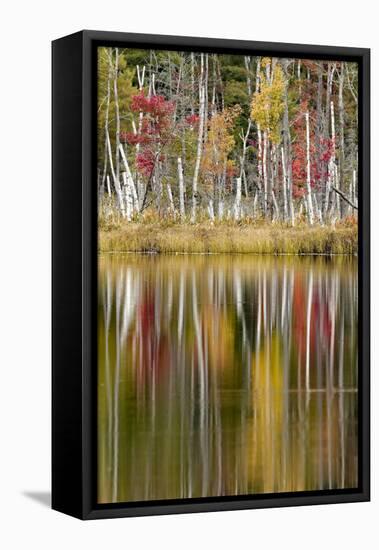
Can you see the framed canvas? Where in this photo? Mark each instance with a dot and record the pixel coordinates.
(211, 276)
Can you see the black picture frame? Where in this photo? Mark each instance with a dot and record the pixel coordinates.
(74, 271)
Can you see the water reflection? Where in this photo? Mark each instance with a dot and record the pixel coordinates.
(225, 375)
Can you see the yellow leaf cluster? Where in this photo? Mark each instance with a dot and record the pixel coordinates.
(220, 142)
(267, 106)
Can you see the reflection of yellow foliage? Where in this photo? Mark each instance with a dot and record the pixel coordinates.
(220, 337)
(267, 367)
(265, 438)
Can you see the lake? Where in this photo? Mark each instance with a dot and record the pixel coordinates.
(226, 375)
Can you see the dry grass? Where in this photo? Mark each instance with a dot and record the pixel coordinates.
(227, 237)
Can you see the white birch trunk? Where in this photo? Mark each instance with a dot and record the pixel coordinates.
(199, 140)
(140, 184)
(130, 178)
(117, 114)
(220, 209)
(106, 124)
(128, 197)
(255, 204)
(336, 196)
(264, 162)
(211, 210)
(237, 203)
(275, 203)
(181, 189)
(116, 181)
(309, 190)
(285, 201)
(170, 199)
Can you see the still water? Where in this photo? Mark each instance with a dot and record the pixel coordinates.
(226, 375)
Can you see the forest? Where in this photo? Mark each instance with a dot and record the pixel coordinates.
(215, 152)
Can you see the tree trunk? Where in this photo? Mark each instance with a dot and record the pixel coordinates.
(244, 138)
(181, 189)
(237, 203)
(265, 178)
(335, 177)
(128, 197)
(116, 181)
(199, 139)
(287, 163)
(106, 121)
(284, 171)
(309, 190)
(170, 198)
(341, 116)
(130, 178)
(117, 113)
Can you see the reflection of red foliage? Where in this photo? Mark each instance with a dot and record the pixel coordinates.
(320, 320)
(299, 314)
(154, 350)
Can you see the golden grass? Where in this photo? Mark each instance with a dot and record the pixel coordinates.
(204, 237)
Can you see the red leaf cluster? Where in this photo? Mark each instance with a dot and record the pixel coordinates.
(155, 105)
(320, 154)
(146, 160)
(156, 130)
(192, 120)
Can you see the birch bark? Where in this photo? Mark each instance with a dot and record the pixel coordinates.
(181, 189)
(309, 189)
(199, 139)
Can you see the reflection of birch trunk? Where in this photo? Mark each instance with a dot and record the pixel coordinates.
(341, 401)
(308, 338)
(200, 358)
(181, 306)
(107, 308)
(116, 397)
(330, 373)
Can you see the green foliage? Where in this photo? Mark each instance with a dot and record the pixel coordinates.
(126, 90)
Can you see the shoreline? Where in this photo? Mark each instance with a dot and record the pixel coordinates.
(207, 239)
